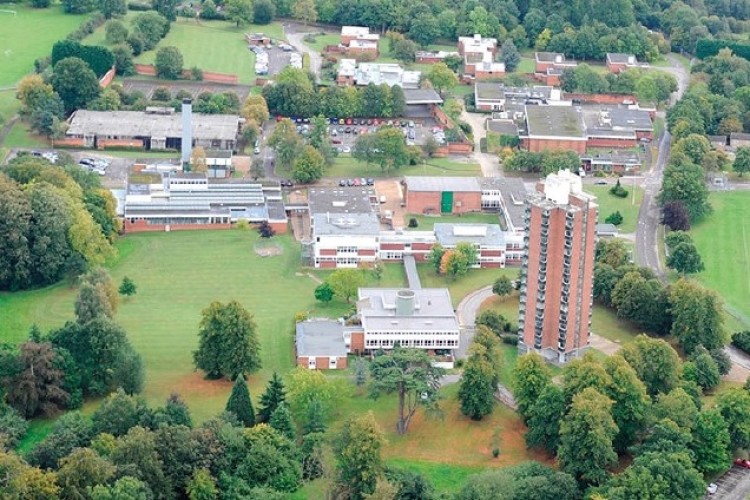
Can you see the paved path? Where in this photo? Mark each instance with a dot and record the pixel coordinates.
(467, 311)
(489, 162)
(295, 39)
(410, 266)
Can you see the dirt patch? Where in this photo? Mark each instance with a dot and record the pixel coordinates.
(391, 189)
(268, 249)
(193, 386)
(737, 374)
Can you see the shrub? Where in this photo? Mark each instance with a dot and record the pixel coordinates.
(185, 12)
(196, 73)
(509, 339)
(413, 222)
(741, 340)
(139, 6)
(618, 190)
(161, 94)
(614, 218)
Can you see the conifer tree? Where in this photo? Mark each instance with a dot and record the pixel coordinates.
(240, 403)
(275, 395)
(281, 420)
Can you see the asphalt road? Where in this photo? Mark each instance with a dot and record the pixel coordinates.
(467, 314)
(294, 34)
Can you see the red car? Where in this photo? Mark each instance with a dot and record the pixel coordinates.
(742, 463)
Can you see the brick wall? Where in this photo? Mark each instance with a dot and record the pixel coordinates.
(599, 98)
(107, 78)
(119, 143)
(425, 202)
(279, 227)
(143, 226)
(537, 145)
(69, 142)
(357, 342)
(604, 142)
(208, 76)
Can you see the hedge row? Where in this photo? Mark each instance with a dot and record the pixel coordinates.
(710, 47)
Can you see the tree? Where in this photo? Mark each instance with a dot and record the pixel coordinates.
(202, 486)
(263, 11)
(38, 387)
(441, 77)
(458, 262)
(656, 475)
(586, 436)
(360, 372)
(509, 55)
(30, 90)
(525, 481)
(696, 316)
(115, 32)
(655, 361)
(389, 149)
(411, 375)
(15, 257)
(169, 63)
(543, 419)
(167, 8)
(150, 27)
(125, 488)
(314, 418)
(436, 256)
(75, 83)
(22, 481)
(678, 406)
(324, 292)
(118, 413)
(240, 404)
(612, 252)
(424, 29)
(404, 50)
(286, 142)
(476, 392)
(281, 420)
(305, 386)
(309, 166)
(734, 406)
(357, 448)
(630, 402)
(684, 181)
(271, 398)
(615, 218)
(81, 470)
(502, 286)
(530, 376)
(112, 8)
(741, 160)
(228, 344)
(198, 160)
(128, 287)
(13, 427)
(345, 283)
(239, 11)
(91, 303)
(702, 369)
(685, 259)
(70, 431)
(710, 444)
(304, 10)
(694, 146)
(675, 216)
(136, 455)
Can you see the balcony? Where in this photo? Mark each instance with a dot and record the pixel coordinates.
(542, 279)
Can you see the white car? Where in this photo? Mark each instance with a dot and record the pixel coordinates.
(256, 150)
(712, 488)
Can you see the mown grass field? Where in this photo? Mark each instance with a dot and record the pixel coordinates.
(426, 223)
(346, 166)
(723, 240)
(29, 35)
(609, 203)
(462, 286)
(178, 275)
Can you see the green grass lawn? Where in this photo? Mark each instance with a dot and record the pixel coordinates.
(462, 286)
(605, 323)
(321, 41)
(723, 240)
(608, 203)
(426, 223)
(214, 46)
(346, 166)
(527, 65)
(178, 275)
(29, 35)
(20, 136)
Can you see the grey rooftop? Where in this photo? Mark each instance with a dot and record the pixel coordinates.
(334, 224)
(455, 184)
(320, 338)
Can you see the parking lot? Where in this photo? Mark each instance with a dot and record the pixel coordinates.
(276, 58)
(734, 485)
(343, 133)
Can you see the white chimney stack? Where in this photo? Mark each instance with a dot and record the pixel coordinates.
(187, 131)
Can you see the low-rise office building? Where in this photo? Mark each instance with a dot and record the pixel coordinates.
(321, 344)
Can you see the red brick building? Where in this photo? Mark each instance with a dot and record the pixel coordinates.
(321, 344)
(558, 268)
(446, 195)
(618, 62)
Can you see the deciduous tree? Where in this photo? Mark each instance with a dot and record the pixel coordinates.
(38, 388)
(324, 292)
(543, 419)
(75, 83)
(441, 77)
(655, 361)
(286, 142)
(81, 470)
(675, 216)
(228, 343)
(530, 376)
(305, 11)
(202, 486)
(476, 392)
(263, 11)
(502, 286)
(696, 316)
(240, 11)
(169, 63)
(630, 402)
(741, 160)
(586, 436)
(345, 283)
(710, 444)
(358, 455)
(734, 406)
(309, 166)
(684, 181)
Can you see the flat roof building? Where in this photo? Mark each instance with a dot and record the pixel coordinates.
(155, 128)
(617, 62)
(321, 344)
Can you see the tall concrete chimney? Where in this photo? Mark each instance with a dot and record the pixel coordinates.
(187, 131)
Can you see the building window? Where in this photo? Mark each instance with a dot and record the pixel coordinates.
(311, 363)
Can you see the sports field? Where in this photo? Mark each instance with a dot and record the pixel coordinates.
(28, 35)
(214, 46)
(723, 240)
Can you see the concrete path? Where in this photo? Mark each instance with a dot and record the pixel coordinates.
(606, 346)
(490, 163)
(410, 266)
(295, 39)
(467, 311)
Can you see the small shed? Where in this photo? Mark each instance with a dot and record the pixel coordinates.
(607, 230)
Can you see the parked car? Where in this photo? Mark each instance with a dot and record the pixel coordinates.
(348, 130)
(347, 149)
(335, 141)
(356, 181)
(370, 182)
(369, 121)
(411, 124)
(712, 488)
(362, 181)
(349, 182)
(745, 464)
(411, 134)
(348, 121)
(342, 182)
(256, 150)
